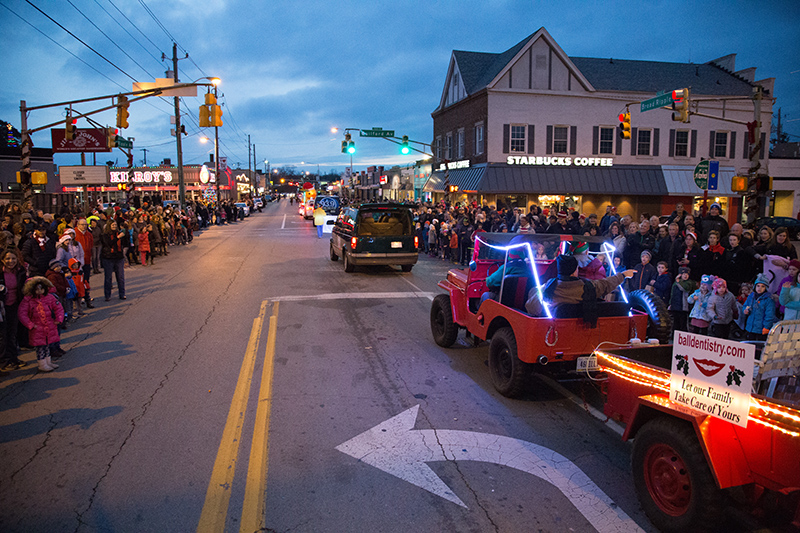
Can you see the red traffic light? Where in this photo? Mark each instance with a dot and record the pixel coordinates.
(622, 117)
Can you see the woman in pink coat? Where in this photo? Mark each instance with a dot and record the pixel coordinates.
(41, 313)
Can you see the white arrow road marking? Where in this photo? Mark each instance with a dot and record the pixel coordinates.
(396, 448)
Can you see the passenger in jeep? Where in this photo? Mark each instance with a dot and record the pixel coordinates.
(568, 288)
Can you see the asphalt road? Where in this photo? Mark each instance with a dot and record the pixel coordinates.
(237, 388)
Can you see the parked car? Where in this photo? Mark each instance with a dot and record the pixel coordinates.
(375, 234)
(791, 224)
(243, 207)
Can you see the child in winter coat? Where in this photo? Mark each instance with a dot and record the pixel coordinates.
(738, 332)
(760, 310)
(77, 277)
(144, 245)
(790, 298)
(663, 282)
(678, 300)
(700, 316)
(646, 273)
(40, 312)
(723, 304)
(60, 284)
(454, 246)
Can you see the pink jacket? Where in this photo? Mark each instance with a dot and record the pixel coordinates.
(36, 314)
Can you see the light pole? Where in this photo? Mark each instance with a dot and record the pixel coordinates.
(267, 185)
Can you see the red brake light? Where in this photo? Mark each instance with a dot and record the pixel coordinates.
(416, 241)
(353, 242)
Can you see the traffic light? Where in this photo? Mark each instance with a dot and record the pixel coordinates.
(211, 99)
(763, 183)
(739, 184)
(215, 118)
(344, 147)
(351, 146)
(122, 186)
(122, 111)
(111, 137)
(404, 148)
(205, 121)
(680, 105)
(625, 125)
(69, 132)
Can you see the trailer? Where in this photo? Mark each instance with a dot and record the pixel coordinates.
(686, 464)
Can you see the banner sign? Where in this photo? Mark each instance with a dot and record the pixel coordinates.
(712, 376)
(86, 140)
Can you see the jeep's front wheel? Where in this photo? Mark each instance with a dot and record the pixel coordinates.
(509, 373)
(443, 327)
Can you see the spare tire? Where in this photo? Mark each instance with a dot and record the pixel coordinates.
(659, 322)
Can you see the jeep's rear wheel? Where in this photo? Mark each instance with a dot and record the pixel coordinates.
(443, 327)
(334, 257)
(509, 374)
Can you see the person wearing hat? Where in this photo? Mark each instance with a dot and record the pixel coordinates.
(759, 308)
(723, 306)
(700, 316)
(646, 273)
(38, 251)
(713, 221)
(790, 293)
(568, 288)
(560, 227)
(27, 224)
(67, 248)
(679, 298)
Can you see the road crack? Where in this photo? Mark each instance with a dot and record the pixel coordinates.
(79, 514)
(53, 425)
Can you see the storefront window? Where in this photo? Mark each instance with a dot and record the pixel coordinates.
(510, 202)
(556, 203)
(721, 200)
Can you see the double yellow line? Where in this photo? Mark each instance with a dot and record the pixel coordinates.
(218, 494)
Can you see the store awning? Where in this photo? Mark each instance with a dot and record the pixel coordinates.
(680, 181)
(618, 180)
(466, 179)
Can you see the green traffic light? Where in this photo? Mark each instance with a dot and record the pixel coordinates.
(405, 150)
(351, 148)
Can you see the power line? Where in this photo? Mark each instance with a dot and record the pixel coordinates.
(135, 26)
(80, 40)
(110, 39)
(158, 22)
(137, 41)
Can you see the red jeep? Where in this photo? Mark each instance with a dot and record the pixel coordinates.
(521, 343)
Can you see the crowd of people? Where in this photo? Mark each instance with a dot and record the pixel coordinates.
(728, 282)
(49, 262)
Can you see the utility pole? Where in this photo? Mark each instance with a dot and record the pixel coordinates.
(145, 155)
(249, 177)
(25, 173)
(181, 183)
(216, 155)
(255, 170)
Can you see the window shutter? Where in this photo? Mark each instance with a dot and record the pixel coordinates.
(595, 139)
(694, 144)
(573, 140)
(506, 137)
(530, 138)
(619, 144)
(763, 145)
(671, 149)
(634, 140)
(549, 147)
(711, 136)
(654, 151)
(733, 145)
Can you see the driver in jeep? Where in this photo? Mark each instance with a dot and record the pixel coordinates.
(568, 288)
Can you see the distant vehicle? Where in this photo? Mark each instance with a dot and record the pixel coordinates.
(331, 204)
(244, 207)
(258, 202)
(375, 234)
(791, 224)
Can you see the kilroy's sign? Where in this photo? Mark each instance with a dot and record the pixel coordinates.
(86, 140)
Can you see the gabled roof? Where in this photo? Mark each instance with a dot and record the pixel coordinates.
(479, 68)
(653, 76)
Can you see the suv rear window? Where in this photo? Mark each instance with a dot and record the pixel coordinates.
(382, 222)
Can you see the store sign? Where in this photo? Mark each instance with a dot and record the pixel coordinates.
(452, 165)
(712, 376)
(137, 176)
(83, 175)
(86, 140)
(561, 161)
(384, 180)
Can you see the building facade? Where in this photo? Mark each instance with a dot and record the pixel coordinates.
(532, 125)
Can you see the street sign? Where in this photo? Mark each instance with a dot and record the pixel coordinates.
(122, 142)
(654, 103)
(706, 174)
(376, 132)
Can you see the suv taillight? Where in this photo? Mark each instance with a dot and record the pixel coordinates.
(353, 242)
(416, 241)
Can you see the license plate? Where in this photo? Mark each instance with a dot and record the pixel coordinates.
(587, 363)
(397, 244)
